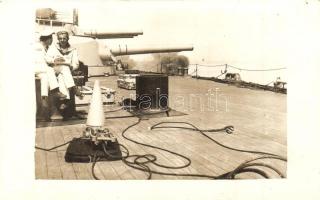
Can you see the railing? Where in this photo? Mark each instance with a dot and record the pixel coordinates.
(51, 22)
(225, 68)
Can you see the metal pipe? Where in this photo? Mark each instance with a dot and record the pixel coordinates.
(110, 34)
(131, 51)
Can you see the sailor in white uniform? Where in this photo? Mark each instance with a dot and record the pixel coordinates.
(64, 59)
(46, 73)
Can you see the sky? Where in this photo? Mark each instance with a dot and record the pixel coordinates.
(243, 33)
(246, 34)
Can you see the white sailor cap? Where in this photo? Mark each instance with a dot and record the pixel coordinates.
(46, 33)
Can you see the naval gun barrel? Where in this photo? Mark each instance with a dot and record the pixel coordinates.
(131, 51)
(111, 34)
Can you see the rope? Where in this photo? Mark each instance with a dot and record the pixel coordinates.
(241, 69)
(271, 69)
(200, 65)
(221, 74)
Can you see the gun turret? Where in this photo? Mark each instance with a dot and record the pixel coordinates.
(120, 51)
(131, 51)
(108, 34)
(92, 53)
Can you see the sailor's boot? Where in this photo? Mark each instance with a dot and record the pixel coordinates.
(57, 94)
(75, 90)
(55, 114)
(45, 111)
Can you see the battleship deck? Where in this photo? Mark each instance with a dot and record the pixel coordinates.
(259, 118)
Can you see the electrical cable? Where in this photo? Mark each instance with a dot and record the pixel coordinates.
(115, 110)
(240, 169)
(220, 144)
(228, 129)
(260, 164)
(257, 171)
(140, 162)
(120, 117)
(97, 159)
(52, 148)
(159, 148)
(241, 166)
(139, 114)
(94, 162)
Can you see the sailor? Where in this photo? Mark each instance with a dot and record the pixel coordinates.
(64, 59)
(47, 75)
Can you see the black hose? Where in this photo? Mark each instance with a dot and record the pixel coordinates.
(159, 148)
(139, 114)
(94, 162)
(257, 171)
(115, 110)
(248, 163)
(55, 147)
(263, 165)
(228, 129)
(140, 162)
(220, 144)
(136, 164)
(120, 117)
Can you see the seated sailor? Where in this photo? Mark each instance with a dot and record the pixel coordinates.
(46, 74)
(64, 58)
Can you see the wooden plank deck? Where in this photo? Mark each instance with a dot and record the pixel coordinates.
(259, 118)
